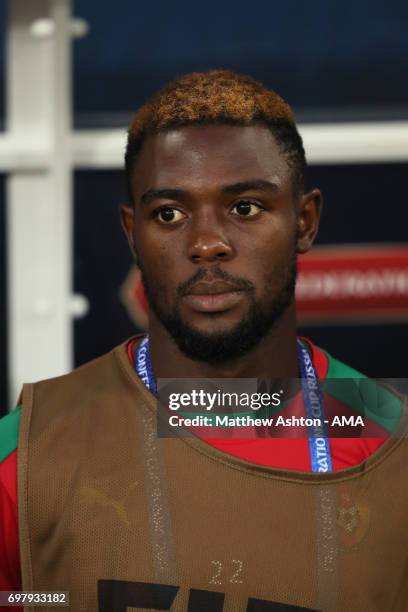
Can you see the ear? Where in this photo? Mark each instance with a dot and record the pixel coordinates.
(308, 219)
(127, 219)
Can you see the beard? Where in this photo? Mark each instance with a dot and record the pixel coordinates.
(220, 347)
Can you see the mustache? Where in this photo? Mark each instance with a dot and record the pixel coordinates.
(214, 274)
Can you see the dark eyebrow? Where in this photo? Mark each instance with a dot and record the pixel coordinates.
(256, 185)
(175, 194)
(167, 193)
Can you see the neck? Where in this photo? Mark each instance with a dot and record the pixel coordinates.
(274, 357)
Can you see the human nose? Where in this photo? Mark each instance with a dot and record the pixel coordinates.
(208, 241)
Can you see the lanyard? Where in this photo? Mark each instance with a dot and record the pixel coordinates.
(319, 444)
(143, 366)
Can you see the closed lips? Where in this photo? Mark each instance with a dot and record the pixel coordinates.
(213, 297)
(212, 288)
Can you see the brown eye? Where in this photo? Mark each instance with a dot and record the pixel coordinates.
(245, 208)
(169, 215)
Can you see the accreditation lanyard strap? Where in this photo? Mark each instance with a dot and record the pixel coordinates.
(143, 366)
(319, 445)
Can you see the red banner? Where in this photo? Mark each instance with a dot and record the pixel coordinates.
(335, 284)
(353, 283)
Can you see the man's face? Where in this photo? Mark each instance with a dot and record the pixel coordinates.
(215, 232)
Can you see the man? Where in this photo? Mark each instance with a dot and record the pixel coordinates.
(121, 518)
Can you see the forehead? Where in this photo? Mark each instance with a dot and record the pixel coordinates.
(207, 155)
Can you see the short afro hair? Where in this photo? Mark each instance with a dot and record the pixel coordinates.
(218, 97)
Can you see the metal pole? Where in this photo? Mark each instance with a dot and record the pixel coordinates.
(39, 201)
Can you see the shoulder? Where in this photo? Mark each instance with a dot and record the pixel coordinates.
(79, 379)
(103, 383)
(9, 427)
(328, 366)
(91, 378)
(380, 403)
(339, 369)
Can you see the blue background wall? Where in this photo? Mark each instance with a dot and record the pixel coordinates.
(323, 53)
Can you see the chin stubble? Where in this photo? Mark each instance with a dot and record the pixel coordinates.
(219, 347)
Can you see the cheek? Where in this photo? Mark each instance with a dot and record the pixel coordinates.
(272, 247)
(172, 258)
(160, 261)
(153, 250)
(272, 263)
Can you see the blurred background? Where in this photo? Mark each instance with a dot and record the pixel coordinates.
(72, 74)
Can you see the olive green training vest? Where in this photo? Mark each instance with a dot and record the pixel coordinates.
(124, 520)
